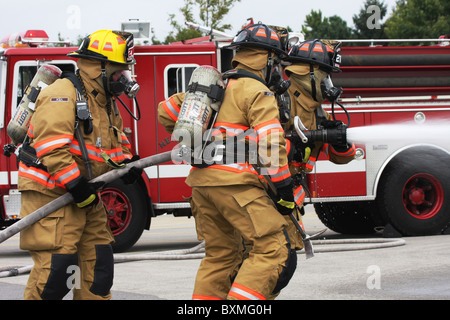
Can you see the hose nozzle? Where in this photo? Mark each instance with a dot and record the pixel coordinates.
(335, 135)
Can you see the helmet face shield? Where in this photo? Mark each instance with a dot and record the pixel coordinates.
(242, 36)
(129, 45)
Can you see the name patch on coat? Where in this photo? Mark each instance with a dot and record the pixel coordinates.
(59, 99)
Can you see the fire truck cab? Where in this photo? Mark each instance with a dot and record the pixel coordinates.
(386, 185)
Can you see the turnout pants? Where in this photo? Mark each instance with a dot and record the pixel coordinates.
(232, 219)
(71, 249)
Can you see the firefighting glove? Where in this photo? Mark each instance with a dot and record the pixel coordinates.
(327, 124)
(134, 173)
(334, 127)
(291, 150)
(84, 193)
(285, 202)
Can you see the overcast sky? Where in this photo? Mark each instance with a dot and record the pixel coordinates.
(72, 18)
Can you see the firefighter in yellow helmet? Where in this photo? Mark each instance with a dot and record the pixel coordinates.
(309, 68)
(71, 248)
(230, 200)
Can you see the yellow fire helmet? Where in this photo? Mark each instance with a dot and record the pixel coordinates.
(107, 45)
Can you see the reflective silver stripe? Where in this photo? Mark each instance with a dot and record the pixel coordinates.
(228, 130)
(172, 108)
(46, 178)
(244, 293)
(115, 154)
(67, 174)
(279, 174)
(268, 127)
(235, 166)
(61, 141)
(299, 194)
(125, 140)
(311, 162)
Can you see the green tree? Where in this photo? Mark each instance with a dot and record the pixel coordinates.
(368, 22)
(211, 14)
(419, 19)
(318, 27)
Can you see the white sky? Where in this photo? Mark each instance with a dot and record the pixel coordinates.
(73, 18)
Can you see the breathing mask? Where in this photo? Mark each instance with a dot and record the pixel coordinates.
(279, 86)
(329, 91)
(121, 83)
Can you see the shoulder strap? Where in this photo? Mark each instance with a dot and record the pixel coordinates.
(74, 79)
(239, 73)
(83, 114)
(82, 107)
(320, 116)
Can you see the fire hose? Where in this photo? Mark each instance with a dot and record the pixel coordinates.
(197, 252)
(67, 198)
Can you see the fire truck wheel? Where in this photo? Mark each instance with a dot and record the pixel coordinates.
(413, 194)
(347, 217)
(127, 213)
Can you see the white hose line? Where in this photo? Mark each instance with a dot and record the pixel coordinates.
(15, 271)
(355, 244)
(197, 252)
(192, 253)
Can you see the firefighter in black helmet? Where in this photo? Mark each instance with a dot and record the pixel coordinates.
(309, 68)
(230, 199)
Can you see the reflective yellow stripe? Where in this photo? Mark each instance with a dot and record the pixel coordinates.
(287, 204)
(86, 202)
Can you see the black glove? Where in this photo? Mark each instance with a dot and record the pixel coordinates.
(84, 193)
(285, 200)
(341, 148)
(291, 151)
(327, 124)
(134, 173)
(335, 129)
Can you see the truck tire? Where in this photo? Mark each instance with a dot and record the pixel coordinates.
(348, 217)
(127, 212)
(414, 191)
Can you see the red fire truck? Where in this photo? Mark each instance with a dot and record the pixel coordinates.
(398, 186)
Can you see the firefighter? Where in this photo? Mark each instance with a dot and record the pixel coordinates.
(230, 201)
(310, 64)
(71, 248)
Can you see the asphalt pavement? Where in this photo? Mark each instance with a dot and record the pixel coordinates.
(410, 268)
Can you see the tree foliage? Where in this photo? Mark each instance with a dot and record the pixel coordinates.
(210, 14)
(419, 19)
(318, 27)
